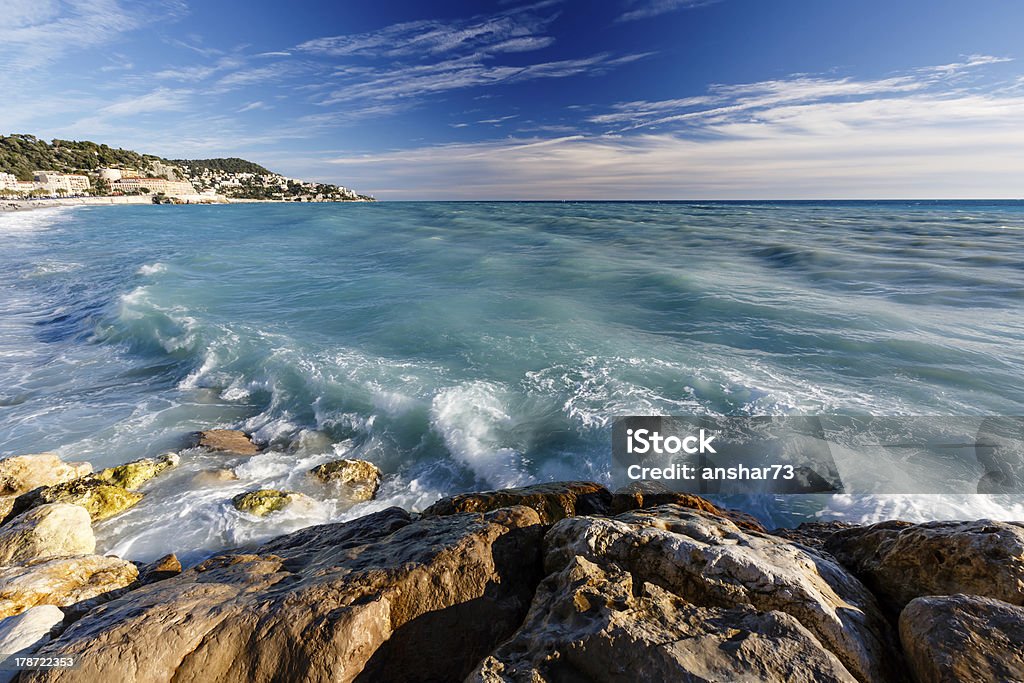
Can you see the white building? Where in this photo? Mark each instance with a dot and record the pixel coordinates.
(54, 182)
(173, 188)
(8, 181)
(110, 174)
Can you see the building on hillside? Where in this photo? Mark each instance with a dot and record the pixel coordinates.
(110, 174)
(173, 188)
(54, 182)
(8, 181)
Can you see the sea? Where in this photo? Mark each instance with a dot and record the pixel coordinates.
(475, 345)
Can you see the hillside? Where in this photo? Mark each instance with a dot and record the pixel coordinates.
(22, 155)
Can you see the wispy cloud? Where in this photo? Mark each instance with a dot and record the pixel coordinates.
(645, 9)
(911, 135)
(161, 99)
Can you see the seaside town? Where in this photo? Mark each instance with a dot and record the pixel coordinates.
(32, 169)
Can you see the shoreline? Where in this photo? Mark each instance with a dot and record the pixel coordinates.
(548, 582)
(12, 205)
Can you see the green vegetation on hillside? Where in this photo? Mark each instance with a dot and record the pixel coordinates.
(22, 154)
(228, 165)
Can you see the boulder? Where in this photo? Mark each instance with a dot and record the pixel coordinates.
(901, 561)
(262, 502)
(963, 638)
(227, 441)
(100, 499)
(813, 534)
(22, 473)
(639, 495)
(134, 474)
(381, 598)
(158, 570)
(358, 479)
(552, 502)
(217, 475)
(601, 623)
(61, 581)
(52, 530)
(23, 634)
(732, 586)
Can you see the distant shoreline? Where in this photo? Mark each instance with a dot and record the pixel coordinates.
(29, 204)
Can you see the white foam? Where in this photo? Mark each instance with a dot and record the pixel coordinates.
(152, 269)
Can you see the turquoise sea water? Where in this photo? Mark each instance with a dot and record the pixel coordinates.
(477, 345)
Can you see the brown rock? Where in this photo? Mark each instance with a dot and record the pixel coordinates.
(382, 598)
(61, 581)
(158, 570)
(730, 585)
(598, 623)
(53, 530)
(23, 473)
(813, 534)
(901, 561)
(552, 502)
(358, 479)
(963, 638)
(641, 495)
(214, 476)
(227, 441)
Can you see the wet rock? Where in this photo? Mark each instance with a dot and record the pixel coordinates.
(22, 473)
(702, 588)
(158, 570)
(23, 634)
(813, 534)
(100, 499)
(597, 623)
(963, 638)
(214, 476)
(132, 475)
(265, 501)
(358, 479)
(227, 441)
(901, 561)
(61, 581)
(552, 502)
(639, 495)
(53, 530)
(382, 598)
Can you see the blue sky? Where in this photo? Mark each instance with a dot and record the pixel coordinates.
(552, 99)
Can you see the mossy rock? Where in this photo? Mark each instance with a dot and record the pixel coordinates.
(264, 501)
(100, 498)
(359, 479)
(132, 475)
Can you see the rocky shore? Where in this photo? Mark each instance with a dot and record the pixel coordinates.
(560, 581)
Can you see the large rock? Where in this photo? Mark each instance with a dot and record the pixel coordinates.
(53, 530)
(132, 475)
(23, 634)
(552, 501)
(601, 623)
(22, 473)
(901, 561)
(639, 495)
(382, 598)
(227, 441)
(963, 638)
(99, 498)
(707, 597)
(263, 502)
(358, 479)
(61, 581)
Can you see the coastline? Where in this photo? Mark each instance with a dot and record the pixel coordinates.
(547, 582)
(7, 205)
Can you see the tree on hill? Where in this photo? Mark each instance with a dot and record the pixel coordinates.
(225, 165)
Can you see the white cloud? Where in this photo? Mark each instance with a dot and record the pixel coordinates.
(644, 9)
(161, 99)
(922, 135)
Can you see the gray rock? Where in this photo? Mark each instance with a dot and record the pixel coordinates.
(963, 638)
(23, 634)
(901, 561)
(737, 585)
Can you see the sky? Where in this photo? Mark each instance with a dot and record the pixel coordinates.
(553, 99)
